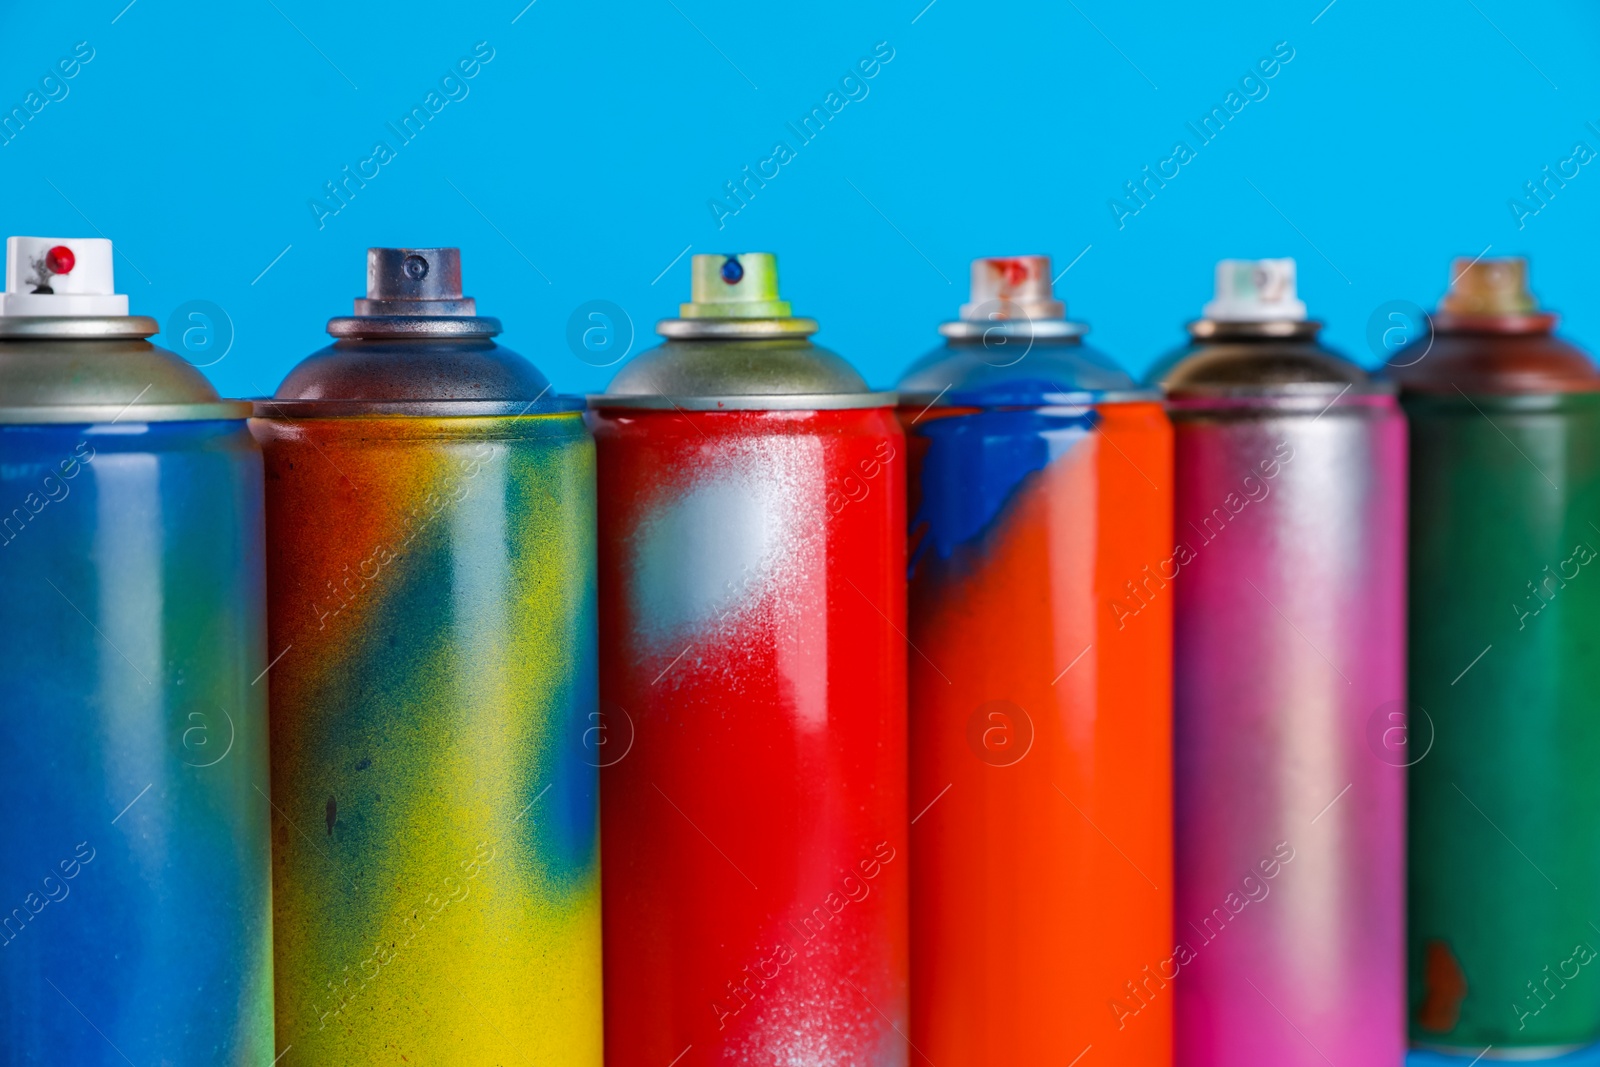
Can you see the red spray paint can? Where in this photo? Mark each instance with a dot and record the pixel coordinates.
(752, 612)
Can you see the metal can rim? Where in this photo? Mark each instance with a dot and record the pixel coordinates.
(680, 329)
(750, 402)
(405, 326)
(79, 327)
(1284, 392)
(268, 408)
(1508, 400)
(964, 329)
(1522, 323)
(1275, 329)
(1289, 404)
(70, 414)
(1066, 398)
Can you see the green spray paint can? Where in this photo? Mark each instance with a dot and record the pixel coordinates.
(1503, 732)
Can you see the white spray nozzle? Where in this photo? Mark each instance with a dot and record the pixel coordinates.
(60, 276)
(1012, 287)
(1255, 290)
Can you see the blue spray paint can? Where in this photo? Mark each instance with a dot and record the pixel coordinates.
(134, 871)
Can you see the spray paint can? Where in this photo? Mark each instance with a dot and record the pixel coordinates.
(135, 923)
(752, 575)
(1505, 807)
(1040, 686)
(1289, 643)
(430, 566)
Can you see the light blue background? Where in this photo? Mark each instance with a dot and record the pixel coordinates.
(600, 130)
(581, 162)
(1589, 1057)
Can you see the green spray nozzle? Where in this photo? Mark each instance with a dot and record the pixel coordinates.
(739, 286)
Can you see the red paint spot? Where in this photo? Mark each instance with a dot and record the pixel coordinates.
(1014, 271)
(60, 260)
(1444, 986)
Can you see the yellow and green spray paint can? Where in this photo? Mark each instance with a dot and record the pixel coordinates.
(431, 574)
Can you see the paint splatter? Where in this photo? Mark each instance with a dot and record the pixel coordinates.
(446, 685)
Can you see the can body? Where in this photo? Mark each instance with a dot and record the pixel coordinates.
(1290, 644)
(435, 862)
(1041, 709)
(752, 615)
(1505, 808)
(136, 923)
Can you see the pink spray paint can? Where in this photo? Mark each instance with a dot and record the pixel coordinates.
(1289, 586)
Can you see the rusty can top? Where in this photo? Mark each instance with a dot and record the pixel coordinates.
(1490, 337)
(736, 347)
(71, 353)
(415, 346)
(1255, 346)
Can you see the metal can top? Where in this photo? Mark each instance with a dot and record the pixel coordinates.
(415, 346)
(1256, 346)
(1013, 346)
(1490, 336)
(71, 353)
(736, 347)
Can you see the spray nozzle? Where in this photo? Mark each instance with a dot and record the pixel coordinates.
(420, 282)
(738, 286)
(1255, 290)
(1012, 287)
(1489, 287)
(60, 276)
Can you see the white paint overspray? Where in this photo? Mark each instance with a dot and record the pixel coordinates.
(731, 560)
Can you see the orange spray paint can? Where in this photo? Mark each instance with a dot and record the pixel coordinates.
(1040, 619)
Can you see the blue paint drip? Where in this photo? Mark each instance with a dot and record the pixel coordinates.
(569, 841)
(975, 463)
